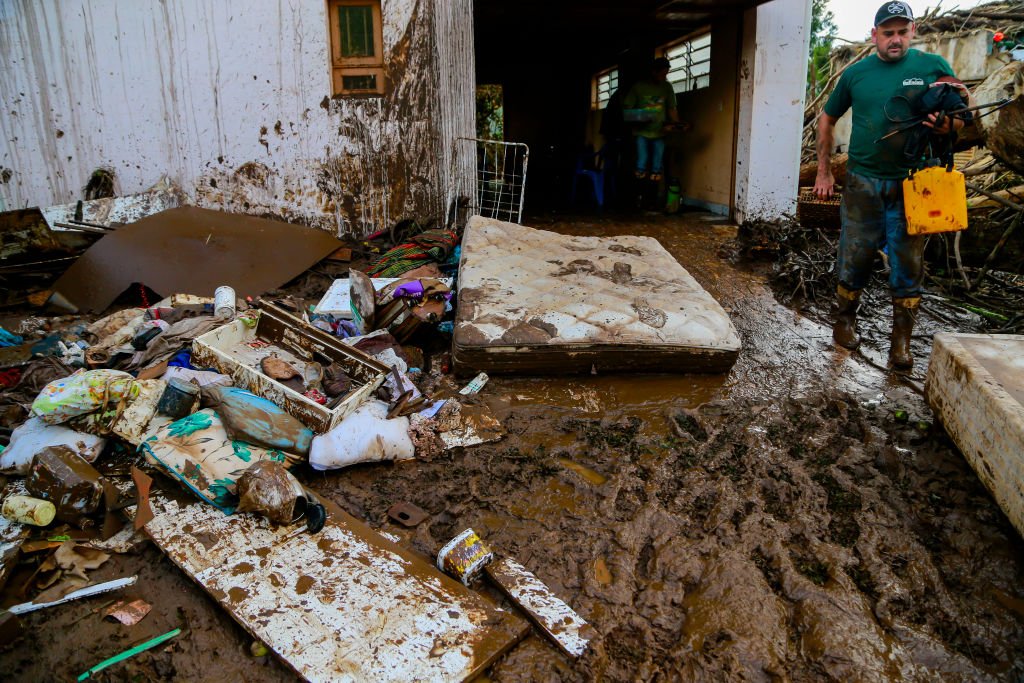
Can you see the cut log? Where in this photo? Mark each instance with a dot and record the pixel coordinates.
(1004, 128)
(1013, 194)
(809, 171)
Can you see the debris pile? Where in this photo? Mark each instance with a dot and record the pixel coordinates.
(206, 417)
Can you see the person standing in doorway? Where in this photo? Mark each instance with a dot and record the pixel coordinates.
(651, 105)
(872, 208)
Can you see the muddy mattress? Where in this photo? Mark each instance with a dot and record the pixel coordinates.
(541, 302)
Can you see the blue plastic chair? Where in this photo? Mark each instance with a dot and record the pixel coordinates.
(590, 165)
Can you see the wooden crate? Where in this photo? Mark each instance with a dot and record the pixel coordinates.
(818, 213)
(229, 350)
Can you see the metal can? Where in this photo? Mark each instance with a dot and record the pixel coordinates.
(464, 557)
(28, 510)
(224, 302)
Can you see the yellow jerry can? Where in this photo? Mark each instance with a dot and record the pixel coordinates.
(935, 200)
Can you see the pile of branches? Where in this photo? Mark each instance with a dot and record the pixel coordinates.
(803, 258)
(997, 16)
(961, 298)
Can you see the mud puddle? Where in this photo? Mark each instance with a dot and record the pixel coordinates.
(800, 518)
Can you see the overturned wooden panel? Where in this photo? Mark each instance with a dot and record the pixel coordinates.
(343, 605)
(558, 621)
(975, 385)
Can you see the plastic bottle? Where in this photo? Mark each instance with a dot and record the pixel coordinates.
(672, 197)
(28, 510)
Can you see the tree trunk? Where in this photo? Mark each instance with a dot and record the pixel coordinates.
(1004, 129)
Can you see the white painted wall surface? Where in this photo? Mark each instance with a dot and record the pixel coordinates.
(230, 100)
(773, 72)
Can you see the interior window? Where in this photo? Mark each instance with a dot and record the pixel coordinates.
(689, 62)
(604, 86)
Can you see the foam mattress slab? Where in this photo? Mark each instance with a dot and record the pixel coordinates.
(975, 385)
(534, 301)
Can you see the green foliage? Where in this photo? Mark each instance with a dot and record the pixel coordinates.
(823, 29)
(490, 112)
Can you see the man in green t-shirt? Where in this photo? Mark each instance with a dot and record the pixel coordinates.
(651, 104)
(881, 89)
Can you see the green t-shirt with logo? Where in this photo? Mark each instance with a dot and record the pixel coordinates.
(657, 99)
(880, 93)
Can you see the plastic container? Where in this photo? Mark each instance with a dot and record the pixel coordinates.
(224, 302)
(179, 399)
(672, 197)
(28, 510)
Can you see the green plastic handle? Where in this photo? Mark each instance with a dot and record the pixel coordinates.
(129, 653)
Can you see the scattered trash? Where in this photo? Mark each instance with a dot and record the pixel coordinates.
(76, 559)
(190, 249)
(197, 451)
(28, 510)
(159, 640)
(475, 385)
(435, 628)
(34, 435)
(337, 301)
(257, 420)
(85, 392)
(133, 422)
(224, 302)
(406, 514)
(11, 628)
(86, 592)
(367, 435)
(466, 557)
(143, 511)
(237, 350)
(70, 483)
(269, 489)
(128, 613)
(9, 339)
(180, 398)
(467, 425)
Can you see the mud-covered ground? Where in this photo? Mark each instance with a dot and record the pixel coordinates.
(802, 518)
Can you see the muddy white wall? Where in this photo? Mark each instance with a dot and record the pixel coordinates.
(231, 100)
(772, 72)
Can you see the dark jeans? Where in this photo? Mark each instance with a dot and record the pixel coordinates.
(873, 217)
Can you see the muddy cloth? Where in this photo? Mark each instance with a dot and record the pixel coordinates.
(170, 342)
(873, 217)
(431, 246)
(197, 451)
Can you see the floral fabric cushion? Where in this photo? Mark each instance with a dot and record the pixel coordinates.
(197, 451)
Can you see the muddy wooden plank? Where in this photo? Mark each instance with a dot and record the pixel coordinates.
(343, 605)
(975, 385)
(558, 621)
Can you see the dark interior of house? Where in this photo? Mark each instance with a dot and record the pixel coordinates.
(545, 56)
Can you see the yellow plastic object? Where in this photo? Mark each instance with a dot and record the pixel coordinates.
(935, 200)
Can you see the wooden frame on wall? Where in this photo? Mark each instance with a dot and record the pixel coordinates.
(361, 73)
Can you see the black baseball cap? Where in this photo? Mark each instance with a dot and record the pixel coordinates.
(893, 10)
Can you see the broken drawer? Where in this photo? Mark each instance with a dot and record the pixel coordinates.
(237, 349)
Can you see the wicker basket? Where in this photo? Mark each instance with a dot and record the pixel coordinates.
(817, 213)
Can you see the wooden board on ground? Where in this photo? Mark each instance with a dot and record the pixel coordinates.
(343, 605)
(975, 385)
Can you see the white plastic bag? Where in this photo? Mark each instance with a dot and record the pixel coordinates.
(35, 435)
(364, 436)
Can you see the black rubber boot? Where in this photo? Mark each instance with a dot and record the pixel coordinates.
(844, 332)
(904, 315)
